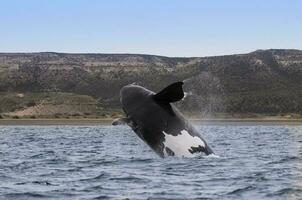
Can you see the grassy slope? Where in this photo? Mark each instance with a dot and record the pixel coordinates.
(74, 106)
(52, 105)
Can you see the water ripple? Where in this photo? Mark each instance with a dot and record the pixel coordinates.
(105, 162)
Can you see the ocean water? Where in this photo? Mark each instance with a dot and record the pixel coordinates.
(254, 161)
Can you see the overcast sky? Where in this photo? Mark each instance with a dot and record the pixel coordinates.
(160, 27)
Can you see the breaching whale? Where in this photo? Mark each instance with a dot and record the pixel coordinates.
(158, 122)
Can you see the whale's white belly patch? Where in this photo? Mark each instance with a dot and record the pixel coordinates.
(182, 143)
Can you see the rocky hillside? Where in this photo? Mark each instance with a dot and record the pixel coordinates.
(264, 81)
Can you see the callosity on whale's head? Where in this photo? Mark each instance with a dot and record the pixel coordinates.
(159, 123)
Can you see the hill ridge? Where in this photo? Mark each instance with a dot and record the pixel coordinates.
(262, 81)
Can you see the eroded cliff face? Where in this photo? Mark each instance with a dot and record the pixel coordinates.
(264, 81)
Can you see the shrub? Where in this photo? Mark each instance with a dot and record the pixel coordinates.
(31, 103)
(57, 115)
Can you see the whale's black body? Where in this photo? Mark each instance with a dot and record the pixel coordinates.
(159, 123)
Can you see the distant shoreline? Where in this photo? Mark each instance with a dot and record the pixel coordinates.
(107, 121)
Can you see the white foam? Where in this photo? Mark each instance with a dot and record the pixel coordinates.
(212, 155)
(186, 94)
(181, 143)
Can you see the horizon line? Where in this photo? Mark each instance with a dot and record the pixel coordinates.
(144, 54)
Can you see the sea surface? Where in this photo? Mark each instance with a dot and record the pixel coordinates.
(254, 161)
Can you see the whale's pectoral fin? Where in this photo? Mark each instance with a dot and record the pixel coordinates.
(172, 93)
(121, 121)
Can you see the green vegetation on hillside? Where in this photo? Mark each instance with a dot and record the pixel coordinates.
(264, 82)
(53, 105)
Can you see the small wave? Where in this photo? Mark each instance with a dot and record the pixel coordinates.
(173, 174)
(284, 160)
(92, 189)
(25, 195)
(241, 190)
(35, 182)
(40, 155)
(20, 164)
(102, 197)
(75, 169)
(126, 178)
(97, 187)
(103, 162)
(42, 183)
(286, 191)
(143, 160)
(55, 160)
(101, 176)
(224, 144)
(21, 183)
